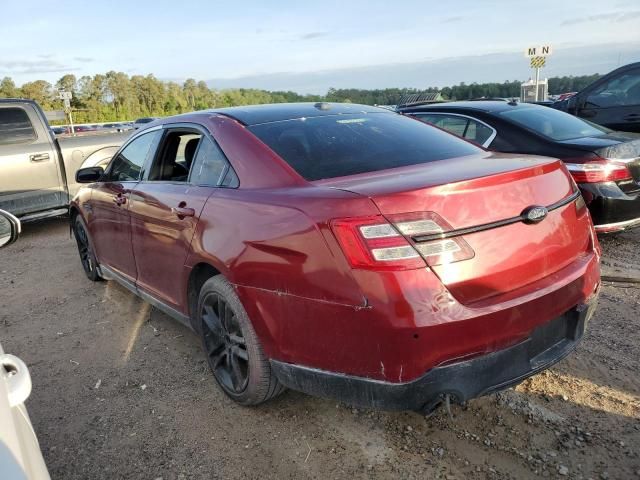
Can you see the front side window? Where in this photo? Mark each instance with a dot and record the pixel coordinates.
(465, 127)
(338, 145)
(15, 126)
(127, 165)
(552, 123)
(620, 91)
(176, 156)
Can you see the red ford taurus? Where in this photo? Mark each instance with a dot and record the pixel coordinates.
(345, 251)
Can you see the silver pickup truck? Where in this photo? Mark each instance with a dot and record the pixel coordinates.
(37, 170)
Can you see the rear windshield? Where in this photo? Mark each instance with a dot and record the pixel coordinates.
(553, 123)
(338, 145)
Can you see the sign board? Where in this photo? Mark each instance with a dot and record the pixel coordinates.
(55, 115)
(538, 62)
(538, 51)
(64, 95)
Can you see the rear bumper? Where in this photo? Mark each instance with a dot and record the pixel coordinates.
(463, 380)
(612, 210)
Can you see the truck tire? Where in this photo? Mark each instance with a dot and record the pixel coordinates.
(232, 348)
(87, 257)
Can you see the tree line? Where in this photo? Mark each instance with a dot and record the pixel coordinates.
(117, 96)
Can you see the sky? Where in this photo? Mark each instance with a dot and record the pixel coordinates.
(231, 42)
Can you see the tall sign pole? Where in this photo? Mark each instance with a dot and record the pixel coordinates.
(66, 99)
(538, 59)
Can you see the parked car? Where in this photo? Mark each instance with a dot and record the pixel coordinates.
(345, 251)
(116, 127)
(613, 100)
(141, 122)
(37, 170)
(60, 130)
(84, 128)
(20, 455)
(605, 164)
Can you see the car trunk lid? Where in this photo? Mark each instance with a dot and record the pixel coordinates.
(481, 202)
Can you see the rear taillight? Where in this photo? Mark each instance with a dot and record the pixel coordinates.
(427, 233)
(597, 170)
(372, 242)
(393, 244)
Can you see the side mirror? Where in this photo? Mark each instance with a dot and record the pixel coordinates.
(10, 228)
(89, 174)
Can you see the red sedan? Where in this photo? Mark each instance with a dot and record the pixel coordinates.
(345, 251)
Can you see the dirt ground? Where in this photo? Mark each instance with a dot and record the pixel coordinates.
(120, 390)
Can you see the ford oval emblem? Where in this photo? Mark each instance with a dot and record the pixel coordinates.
(534, 214)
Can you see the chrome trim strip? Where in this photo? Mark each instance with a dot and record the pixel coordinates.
(32, 217)
(489, 226)
(623, 224)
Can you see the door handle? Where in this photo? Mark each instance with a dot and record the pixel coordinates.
(39, 157)
(632, 116)
(182, 212)
(119, 199)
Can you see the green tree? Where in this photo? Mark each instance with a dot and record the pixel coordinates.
(40, 91)
(8, 89)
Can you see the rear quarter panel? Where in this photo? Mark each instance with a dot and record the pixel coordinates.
(275, 247)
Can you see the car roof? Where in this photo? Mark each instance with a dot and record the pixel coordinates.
(489, 106)
(276, 112)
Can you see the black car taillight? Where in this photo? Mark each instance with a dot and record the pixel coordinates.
(596, 170)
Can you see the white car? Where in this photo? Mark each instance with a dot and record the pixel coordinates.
(20, 455)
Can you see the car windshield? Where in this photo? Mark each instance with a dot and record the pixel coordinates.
(338, 145)
(553, 123)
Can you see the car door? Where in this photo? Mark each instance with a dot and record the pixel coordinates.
(109, 221)
(469, 128)
(613, 102)
(166, 206)
(30, 176)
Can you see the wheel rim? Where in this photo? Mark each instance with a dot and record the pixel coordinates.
(84, 248)
(224, 344)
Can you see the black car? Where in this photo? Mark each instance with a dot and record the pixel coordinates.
(613, 100)
(142, 121)
(605, 164)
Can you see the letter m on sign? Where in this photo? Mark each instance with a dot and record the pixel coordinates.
(531, 51)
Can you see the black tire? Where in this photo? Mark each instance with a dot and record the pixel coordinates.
(87, 257)
(231, 345)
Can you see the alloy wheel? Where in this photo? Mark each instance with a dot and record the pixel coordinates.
(224, 344)
(84, 248)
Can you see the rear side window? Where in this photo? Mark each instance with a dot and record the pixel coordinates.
(465, 127)
(552, 123)
(210, 166)
(339, 145)
(127, 165)
(15, 126)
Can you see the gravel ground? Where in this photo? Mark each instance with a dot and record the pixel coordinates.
(122, 391)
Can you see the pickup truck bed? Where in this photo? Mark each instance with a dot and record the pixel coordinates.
(37, 171)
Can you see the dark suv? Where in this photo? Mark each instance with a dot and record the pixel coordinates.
(612, 101)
